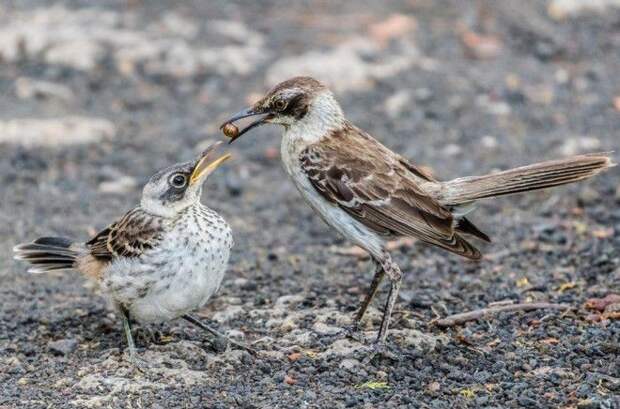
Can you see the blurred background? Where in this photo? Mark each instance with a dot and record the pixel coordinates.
(97, 96)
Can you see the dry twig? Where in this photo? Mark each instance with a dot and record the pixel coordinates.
(461, 318)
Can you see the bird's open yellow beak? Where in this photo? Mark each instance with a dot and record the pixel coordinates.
(206, 164)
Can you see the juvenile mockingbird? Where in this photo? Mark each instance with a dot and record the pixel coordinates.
(159, 261)
(371, 195)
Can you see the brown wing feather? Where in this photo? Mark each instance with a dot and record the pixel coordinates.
(130, 236)
(380, 189)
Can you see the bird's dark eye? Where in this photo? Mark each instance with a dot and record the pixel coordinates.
(178, 180)
(279, 104)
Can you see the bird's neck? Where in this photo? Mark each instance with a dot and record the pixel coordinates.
(323, 118)
(167, 211)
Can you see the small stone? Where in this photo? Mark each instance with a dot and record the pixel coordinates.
(287, 301)
(451, 149)
(489, 142)
(120, 185)
(573, 146)
(295, 356)
(396, 103)
(562, 9)
(235, 334)
(480, 46)
(588, 404)
(55, 132)
(228, 314)
(324, 329)
(349, 363)
(289, 380)
(271, 153)
(589, 196)
(342, 347)
(395, 26)
(63, 346)
(27, 88)
(233, 183)
(423, 95)
(434, 386)
(240, 282)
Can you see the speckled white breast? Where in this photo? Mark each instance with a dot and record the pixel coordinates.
(177, 276)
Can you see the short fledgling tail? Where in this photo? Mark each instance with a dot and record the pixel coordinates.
(47, 254)
(525, 178)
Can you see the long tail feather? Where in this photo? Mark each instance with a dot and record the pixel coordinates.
(523, 179)
(47, 254)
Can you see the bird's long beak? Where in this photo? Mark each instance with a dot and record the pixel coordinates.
(266, 116)
(206, 164)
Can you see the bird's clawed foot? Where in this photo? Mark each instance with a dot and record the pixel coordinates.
(138, 363)
(239, 345)
(354, 332)
(221, 343)
(219, 338)
(378, 348)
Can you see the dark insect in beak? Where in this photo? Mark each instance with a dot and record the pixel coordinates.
(244, 114)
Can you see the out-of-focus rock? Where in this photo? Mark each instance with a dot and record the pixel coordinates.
(63, 346)
(351, 66)
(451, 149)
(562, 9)
(396, 103)
(235, 334)
(79, 54)
(489, 142)
(26, 88)
(413, 338)
(82, 39)
(325, 329)
(396, 25)
(177, 24)
(55, 132)
(493, 106)
(349, 363)
(230, 313)
(601, 304)
(582, 144)
(481, 47)
(120, 185)
(342, 347)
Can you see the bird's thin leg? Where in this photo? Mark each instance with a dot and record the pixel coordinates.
(195, 321)
(395, 275)
(133, 355)
(389, 307)
(372, 290)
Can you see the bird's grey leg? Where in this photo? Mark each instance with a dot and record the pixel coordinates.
(370, 294)
(133, 356)
(195, 321)
(395, 275)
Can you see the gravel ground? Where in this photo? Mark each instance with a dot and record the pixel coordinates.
(93, 100)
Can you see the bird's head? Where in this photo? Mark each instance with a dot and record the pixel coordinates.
(299, 101)
(179, 186)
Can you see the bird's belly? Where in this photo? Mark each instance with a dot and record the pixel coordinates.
(169, 282)
(333, 215)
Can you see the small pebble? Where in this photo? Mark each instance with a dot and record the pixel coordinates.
(63, 346)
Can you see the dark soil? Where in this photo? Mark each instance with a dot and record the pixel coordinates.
(548, 91)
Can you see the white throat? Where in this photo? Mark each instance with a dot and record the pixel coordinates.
(324, 116)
